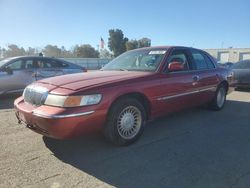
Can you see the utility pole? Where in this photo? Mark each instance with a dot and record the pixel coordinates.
(222, 44)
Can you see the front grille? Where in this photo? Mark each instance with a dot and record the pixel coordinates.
(35, 95)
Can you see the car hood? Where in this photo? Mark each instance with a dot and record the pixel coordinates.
(92, 79)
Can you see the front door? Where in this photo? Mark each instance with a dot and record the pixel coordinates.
(19, 77)
(179, 88)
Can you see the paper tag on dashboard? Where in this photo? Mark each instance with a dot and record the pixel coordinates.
(154, 52)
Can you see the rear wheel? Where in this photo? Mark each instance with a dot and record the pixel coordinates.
(219, 99)
(126, 121)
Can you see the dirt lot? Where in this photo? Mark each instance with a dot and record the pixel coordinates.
(193, 148)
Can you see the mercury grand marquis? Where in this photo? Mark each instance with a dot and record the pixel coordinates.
(119, 99)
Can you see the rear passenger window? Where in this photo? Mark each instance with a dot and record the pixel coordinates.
(210, 64)
(56, 64)
(199, 60)
(28, 64)
(43, 64)
(62, 64)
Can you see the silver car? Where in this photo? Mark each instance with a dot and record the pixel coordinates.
(16, 73)
(241, 71)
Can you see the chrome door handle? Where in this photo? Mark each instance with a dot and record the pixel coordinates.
(196, 78)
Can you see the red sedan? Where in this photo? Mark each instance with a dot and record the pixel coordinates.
(137, 86)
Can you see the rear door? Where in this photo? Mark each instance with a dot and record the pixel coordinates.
(207, 74)
(179, 88)
(68, 68)
(47, 68)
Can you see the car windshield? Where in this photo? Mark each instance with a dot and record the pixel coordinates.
(137, 60)
(3, 62)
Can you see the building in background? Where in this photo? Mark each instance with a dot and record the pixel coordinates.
(229, 54)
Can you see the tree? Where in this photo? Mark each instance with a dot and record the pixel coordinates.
(105, 54)
(52, 51)
(85, 51)
(116, 42)
(144, 42)
(12, 51)
(4, 53)
(66, 53)
(131, 44)
(30, 51)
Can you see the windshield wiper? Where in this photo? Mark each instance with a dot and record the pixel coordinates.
(123, 69)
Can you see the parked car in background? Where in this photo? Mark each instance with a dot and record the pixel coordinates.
(17, 72)
(137, 86)
(241, 72)
(227, 65)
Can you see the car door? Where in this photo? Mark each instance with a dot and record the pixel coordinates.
(179, 88)
(242, 72)
(207, 74)
(4, 75)
(47, 68)
(18, 78)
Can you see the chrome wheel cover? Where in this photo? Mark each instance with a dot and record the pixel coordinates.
(221, 97)
(129, 122)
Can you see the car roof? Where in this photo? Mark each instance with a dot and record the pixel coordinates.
(19, 57)
(165, 47)
(37, 57)
(243, 61)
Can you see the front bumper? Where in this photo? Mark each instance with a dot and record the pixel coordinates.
(57, 122)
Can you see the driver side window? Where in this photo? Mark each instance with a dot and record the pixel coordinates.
(17, 65)
(180, 57)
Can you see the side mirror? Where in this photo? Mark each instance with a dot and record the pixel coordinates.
(7, 69)
(84, 69)
(175, 66)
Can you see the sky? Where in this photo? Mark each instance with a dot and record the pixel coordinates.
(196, 23)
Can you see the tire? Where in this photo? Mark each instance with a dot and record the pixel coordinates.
(219, 99)
(125, 122)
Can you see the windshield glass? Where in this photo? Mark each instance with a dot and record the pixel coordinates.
(137, 60)
(3, 62)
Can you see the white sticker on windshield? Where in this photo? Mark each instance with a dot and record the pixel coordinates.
(157, 52)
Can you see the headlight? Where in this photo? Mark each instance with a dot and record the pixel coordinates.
(72, 101)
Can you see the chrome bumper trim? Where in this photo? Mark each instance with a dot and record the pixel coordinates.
(61, 116)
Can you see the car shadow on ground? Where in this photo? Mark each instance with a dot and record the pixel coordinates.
(7, 101)
(185, 149)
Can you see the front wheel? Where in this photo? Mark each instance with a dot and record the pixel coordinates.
(126, 121)
(219, 99)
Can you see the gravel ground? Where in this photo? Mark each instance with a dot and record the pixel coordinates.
(192, 148)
